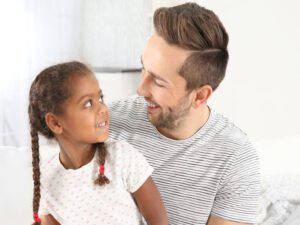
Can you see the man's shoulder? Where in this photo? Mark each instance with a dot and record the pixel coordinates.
(127, 113)
(127, 102)
(226, 131)
(117, 146)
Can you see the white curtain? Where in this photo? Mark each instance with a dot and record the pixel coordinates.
(34, 35)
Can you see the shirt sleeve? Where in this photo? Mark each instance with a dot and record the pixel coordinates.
(136, 169)
(238, 195)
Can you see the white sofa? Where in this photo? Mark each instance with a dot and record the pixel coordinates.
(279, 158)
(16, 183)
(280, 190)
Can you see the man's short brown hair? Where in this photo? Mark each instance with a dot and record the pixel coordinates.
(198, 29)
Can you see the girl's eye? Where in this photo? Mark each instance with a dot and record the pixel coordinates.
(88, 104)
(101, 99)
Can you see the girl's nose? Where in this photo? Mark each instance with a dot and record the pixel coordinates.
(102, 108)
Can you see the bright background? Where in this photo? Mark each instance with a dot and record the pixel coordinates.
(259, 94)
(260, 91)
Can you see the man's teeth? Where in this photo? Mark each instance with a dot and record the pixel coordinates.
(151, 104)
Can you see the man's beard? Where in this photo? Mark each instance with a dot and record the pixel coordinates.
(174, 116)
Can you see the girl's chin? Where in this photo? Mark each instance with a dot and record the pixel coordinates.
(102, 138)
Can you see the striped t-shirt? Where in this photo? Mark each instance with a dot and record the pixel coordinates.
(213, 172)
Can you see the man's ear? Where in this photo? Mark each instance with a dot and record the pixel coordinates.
(201, 96)
(53, 123)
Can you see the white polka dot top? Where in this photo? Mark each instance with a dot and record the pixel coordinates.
(72, 198)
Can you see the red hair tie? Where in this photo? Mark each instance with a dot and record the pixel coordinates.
(101, 170)
(36, 218)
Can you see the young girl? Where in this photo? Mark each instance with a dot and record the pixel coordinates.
(92, 180)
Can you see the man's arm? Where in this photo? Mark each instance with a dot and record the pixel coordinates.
(214, 220)
(237, 198)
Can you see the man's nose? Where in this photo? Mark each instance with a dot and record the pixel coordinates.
(144, 86)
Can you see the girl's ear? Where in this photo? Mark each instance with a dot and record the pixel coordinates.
(202, 94)
(53, 123)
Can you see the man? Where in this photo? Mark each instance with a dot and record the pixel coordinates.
(205, 167)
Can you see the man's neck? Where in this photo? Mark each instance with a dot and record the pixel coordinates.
(189, 126)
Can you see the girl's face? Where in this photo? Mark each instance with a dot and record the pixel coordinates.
(85, 118)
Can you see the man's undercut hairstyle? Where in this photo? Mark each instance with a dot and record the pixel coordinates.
(192, 27)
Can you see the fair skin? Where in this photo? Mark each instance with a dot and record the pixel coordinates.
(163, 89)
(76, 137)
(184, 112)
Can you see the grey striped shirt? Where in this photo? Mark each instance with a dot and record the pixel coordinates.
(213, 172)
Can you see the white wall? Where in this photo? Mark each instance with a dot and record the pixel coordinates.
(118, 85)
(35, 34)
(114, 32)
(260, 92)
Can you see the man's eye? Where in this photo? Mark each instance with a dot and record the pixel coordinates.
(88, 104)
(158, 84)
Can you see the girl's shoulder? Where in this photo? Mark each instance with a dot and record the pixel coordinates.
(48, 154)
(49, 165)
(129, 163)
(122, 149)
(119, 146)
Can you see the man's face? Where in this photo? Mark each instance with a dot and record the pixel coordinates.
(162, 87)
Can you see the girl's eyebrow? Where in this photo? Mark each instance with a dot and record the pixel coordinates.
(88, 95)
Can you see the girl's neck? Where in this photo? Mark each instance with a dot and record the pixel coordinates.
(75, 156)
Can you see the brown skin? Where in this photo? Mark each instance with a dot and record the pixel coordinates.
(148, 200)
(49, 220)
(214, 220)
(150, 203)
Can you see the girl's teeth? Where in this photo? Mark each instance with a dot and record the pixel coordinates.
(101, 124)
